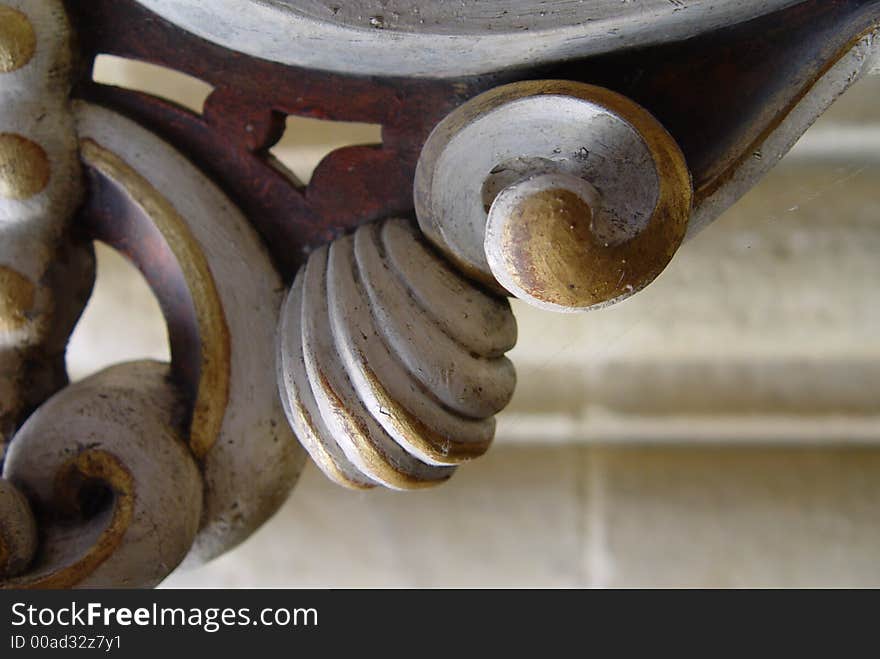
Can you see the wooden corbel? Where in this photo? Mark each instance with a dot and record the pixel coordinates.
(560, 155)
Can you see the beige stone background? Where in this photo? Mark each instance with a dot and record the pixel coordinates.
(719, 429)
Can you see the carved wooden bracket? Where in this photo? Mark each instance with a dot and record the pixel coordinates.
(559, 156)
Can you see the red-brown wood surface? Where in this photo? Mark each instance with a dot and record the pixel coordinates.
(245, 115)
(112, 218)
(715, 93)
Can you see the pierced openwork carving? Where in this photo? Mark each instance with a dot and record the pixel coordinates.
(563, 165)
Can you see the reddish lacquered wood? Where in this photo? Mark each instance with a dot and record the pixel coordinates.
(244, 117)
(716, 94)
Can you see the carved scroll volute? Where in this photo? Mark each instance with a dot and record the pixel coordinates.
(118, 492)
(221, 297)
(565, 195)
(143, 465)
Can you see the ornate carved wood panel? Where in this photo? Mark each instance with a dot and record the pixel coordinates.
(555, 152)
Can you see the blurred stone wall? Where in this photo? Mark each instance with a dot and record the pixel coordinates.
(720, 428)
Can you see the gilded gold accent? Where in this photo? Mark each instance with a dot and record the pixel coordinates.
(446, 450)
(24, 167)
(546, 241)
(18, 42)
(379, 463)
(321, 456)
(213, 389)
(601, 274)
(91, 465)
(17, 295)
(668, 224)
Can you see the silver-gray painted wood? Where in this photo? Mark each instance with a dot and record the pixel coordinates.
(480, 322)
(443, 39)
(255, 461)
(470, 385)
(365, 442)
(378, 373)
(516, 132)
(299, 401)
(384, 384)
(364, 370)
(130, 412)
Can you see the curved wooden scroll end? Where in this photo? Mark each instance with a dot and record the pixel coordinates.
(568, 196)
(221, 298)
(118, 492)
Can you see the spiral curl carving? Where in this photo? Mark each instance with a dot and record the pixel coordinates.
(389, 352)
(391, 365)
(106, 461)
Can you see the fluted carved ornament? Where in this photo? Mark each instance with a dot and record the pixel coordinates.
(559, 156)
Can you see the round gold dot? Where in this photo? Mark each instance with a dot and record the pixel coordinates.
(24, 167)
(17, 40)
(17, 294)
